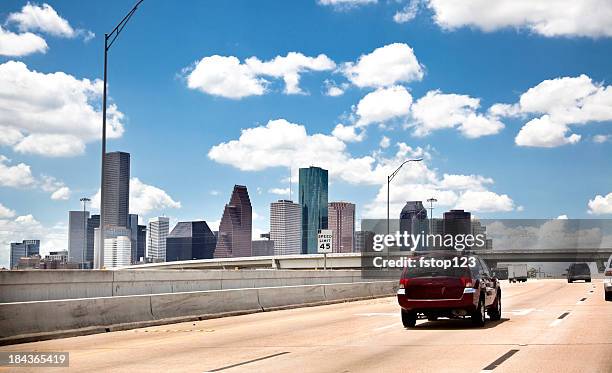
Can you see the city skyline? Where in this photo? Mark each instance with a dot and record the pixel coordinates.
(311, 94)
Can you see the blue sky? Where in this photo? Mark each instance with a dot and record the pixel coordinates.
(180, 135)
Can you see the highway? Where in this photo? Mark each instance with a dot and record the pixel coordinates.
(546, 326)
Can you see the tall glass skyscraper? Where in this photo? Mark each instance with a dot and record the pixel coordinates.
(190, 240)
(285, 227)
(77, 236)
(313, 201)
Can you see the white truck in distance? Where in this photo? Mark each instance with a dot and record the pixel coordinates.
(517, 272)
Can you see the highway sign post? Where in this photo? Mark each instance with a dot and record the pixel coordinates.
(324, 244)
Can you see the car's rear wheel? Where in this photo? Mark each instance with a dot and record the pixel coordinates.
(589, 280)
(495, 311)
(409, 319)
(479, 317)
(569, 281)
(432, 318)
(608, 296)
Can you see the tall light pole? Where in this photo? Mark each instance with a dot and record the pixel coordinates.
(389, 178)
(109, 39)
(84, 200)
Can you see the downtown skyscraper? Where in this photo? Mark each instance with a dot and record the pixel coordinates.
(313, 186)
(235, 229)
(157, 232)
(116, 203)
(342, 225)
(285, 227)
(117, 189)
(77, 236)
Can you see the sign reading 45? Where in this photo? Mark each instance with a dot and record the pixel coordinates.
(324, 242)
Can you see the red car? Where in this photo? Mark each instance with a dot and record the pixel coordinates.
(465, 289)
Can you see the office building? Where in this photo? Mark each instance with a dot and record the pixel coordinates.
(313, 186)
(116, 258)
(285, 227)
(413, 220)
(117, 251)
(190, 240)
(25, 248)
(116, 189)
(77, 236)
(133, 225)
(141, 241)
(92, 223)
(157, 232)
(263, 247)
(341, 221)
(235, 229)
(364, 240)
(457, 222)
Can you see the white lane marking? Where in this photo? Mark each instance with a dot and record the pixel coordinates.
(377, 314)
(524, 312)
(388, 326)
(556, 322)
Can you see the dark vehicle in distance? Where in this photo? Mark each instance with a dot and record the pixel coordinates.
(456, 292)
(578, 271)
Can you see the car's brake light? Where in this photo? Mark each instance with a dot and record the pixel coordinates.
(403, 283)
(467, 282)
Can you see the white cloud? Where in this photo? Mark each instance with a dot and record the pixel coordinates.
(385, 66)
(552, 18)
(600, 139)
(144, 198)
(58, 190)
(544, 132)
(20, 176)
(562, 217)
(17, 45)
(52, 114)
(6, 212)
(384, 142)
(348, 133)
(63, 193)
(437, 110)
(16, 176)
(383, 104)
(279, 191)
(41, 18)
(290, 67)
(561, 103)
(228, 77)
(334, 90)
(601, 205)
(283, 144)
(484, 201)
(408, 12)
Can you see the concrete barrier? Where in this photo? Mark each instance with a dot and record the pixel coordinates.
(202, 303)
(51, 316)
(282, 297)
(23, 286)
(29, 321)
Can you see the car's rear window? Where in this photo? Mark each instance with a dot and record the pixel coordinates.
(428, 271)
(581, 269)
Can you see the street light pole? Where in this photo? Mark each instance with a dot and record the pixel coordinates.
(109, 39)
(389, 179)
(84, 200)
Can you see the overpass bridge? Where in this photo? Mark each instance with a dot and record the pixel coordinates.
(354, 260)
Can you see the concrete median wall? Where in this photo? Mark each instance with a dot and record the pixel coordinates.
(23, 286)
(35, 320)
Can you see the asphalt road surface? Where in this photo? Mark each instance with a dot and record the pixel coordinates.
(546, 326)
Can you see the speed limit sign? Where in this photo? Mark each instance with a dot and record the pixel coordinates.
(324, 242)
